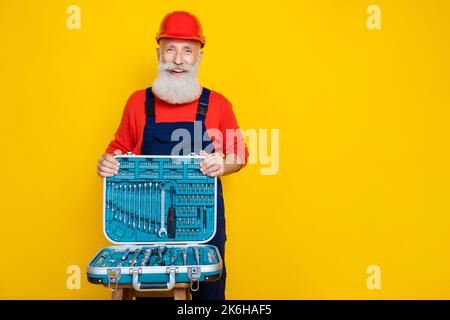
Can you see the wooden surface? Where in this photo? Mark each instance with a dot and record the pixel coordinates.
(126, 292)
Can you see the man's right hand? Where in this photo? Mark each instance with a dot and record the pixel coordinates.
(107, 165)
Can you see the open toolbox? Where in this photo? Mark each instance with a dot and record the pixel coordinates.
(159, 211)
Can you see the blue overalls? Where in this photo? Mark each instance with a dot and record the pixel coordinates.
(157, 141)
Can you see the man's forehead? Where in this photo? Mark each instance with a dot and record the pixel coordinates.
(165, 42)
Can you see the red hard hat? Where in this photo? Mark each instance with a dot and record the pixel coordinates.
(181, 25)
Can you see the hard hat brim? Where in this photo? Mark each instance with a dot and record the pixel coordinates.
(180, 36)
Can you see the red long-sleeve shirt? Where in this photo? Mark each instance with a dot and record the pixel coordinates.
(220, 116)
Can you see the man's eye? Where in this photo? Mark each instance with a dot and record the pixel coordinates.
(169, 50)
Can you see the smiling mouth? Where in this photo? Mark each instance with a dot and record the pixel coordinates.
(177, 72)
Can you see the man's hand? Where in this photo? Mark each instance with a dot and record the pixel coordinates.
(213, 165)
(107, 166)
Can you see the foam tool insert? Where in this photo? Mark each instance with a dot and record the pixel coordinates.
(159, 199)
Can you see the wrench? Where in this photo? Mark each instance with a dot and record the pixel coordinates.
(109, 194)
(156, 204)
(139, 206)
(162, 229)
(134, 207)
(125, 204)
(120, 204)
(115, 203)
(145, 190)
(150, 209)
(130, 203)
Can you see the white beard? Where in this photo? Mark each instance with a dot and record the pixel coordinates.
(177, 89)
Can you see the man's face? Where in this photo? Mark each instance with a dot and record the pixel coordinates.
(177, 80)
(179, 52)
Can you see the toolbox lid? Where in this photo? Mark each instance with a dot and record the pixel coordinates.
(134, 198)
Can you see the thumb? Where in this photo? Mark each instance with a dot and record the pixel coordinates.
(203, 153)
(117, 152)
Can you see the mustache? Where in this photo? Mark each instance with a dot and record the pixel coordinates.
(176, 67)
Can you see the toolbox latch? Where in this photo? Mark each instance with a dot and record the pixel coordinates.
(113, 278)
(194, 274)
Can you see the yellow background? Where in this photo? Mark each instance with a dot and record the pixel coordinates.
(363, 116)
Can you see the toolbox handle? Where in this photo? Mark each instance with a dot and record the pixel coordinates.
(148, 286)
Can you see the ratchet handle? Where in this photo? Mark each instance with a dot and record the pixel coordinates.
(171, 223)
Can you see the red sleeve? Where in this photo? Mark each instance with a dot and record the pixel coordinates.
(125, 138)
(233, 140)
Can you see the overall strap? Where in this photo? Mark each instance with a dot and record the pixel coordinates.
(203, 103)
(149, 102)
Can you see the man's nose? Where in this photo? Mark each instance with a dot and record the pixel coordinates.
(178, 59)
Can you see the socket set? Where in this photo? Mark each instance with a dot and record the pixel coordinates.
(160, 209)
(156, 255)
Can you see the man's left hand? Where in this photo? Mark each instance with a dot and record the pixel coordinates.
(213, 165)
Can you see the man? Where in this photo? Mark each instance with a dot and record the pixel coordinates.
(177, 103)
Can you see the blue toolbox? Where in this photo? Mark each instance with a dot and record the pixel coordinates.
(159, 211)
